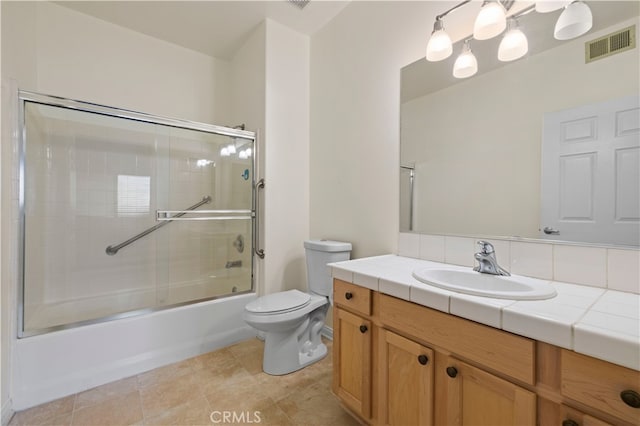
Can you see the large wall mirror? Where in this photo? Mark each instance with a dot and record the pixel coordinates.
(475, 154)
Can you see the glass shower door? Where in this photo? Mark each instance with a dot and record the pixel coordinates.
(206, 251)
(123, 215)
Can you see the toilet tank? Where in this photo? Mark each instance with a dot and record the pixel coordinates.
(318, 254)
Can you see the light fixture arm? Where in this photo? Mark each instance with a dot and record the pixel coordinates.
(442, 15)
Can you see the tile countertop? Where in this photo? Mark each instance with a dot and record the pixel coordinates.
(594, 321)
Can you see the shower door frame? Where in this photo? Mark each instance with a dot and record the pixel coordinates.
(25, 96)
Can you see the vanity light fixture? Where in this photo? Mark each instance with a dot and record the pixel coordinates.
(439, 46)
(491, 21)
(466, 64)
(514, 44)
(576, 19)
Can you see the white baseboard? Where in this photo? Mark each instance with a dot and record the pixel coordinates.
(327, 332)
(7, 412)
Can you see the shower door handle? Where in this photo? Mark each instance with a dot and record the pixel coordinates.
(256, 228)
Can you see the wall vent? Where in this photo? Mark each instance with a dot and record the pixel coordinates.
(610, 44)
(300, 3)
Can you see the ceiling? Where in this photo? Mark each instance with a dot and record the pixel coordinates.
(215, 28)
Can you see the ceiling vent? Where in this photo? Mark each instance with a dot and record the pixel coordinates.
(300, 3)
(610, 44)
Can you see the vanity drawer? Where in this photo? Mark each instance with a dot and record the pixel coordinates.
(600, 384)
(498, 350)
(352, 296)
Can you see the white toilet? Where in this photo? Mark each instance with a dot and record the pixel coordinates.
(292, 320)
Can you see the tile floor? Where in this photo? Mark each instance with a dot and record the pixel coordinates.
(186, 393)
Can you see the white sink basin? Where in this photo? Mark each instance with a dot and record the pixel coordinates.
(468, 281)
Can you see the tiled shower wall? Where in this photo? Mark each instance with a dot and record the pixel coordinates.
(604, 267)
(101, 184)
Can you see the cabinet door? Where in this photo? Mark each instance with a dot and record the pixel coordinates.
(475, 397)
(406, 384)
(352, 361)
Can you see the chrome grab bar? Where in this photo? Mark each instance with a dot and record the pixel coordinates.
(171, 215)
(256, 228)
(111, 250)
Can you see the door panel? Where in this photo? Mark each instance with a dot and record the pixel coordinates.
(590, 173)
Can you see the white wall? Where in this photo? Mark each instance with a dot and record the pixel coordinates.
(355, 96)
(248, 83)
(488, 130)
(286, 157)
(4, 330)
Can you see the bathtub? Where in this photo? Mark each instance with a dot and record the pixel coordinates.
(54, 365)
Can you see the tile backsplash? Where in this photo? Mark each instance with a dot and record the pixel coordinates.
(603, 267)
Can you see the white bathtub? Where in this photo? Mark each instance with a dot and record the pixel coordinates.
(53, 365)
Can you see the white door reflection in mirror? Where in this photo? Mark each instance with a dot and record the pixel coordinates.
(591, 173)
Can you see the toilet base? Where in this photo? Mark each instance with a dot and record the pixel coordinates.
(286, 351)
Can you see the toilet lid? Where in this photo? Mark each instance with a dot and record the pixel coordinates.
(279, 302)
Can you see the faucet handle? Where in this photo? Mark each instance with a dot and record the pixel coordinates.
(485, 247)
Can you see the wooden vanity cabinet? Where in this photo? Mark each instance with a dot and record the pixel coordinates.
(399, 363)
(406, 381)
(352, 348)
(471, 396)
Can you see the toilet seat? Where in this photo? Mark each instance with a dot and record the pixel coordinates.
(279, 303)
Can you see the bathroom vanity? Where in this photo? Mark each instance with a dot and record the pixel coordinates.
(400, 361)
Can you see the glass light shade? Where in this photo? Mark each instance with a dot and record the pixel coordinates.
(440, 46)
(224, 152)
(491, 21)
(575, 20)
(514, 44)
(466, 64)
(231, 149)
(544, 6)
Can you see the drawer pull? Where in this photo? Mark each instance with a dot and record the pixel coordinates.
(631, 398)
(363, 329)
(569, 422)
(452, 372)
(348, 295)
(423, 359)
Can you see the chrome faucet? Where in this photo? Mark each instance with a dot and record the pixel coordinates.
(487, 263)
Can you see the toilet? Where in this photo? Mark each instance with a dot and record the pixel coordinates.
(292, 320)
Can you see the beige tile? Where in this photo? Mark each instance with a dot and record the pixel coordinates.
(273, 416)
(240, 394)
(166, 373)
(252, 362)
(102, 393)
(247, 347)
(192, 412)
(123, 410)
(170, 394)
(218, 360)
(280, 387)
(45, 414)
(315, 405)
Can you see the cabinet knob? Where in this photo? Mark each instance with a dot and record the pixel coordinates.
(569, 422)
(452, 372)
(348, 295)
(423, 359)
(631, 398)
(363, 328)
